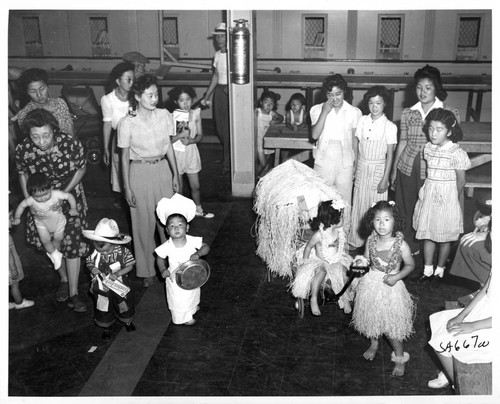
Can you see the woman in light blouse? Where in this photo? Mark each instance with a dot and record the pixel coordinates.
(149, 170)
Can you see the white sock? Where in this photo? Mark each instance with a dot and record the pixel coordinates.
(428, 270)
(439, 271)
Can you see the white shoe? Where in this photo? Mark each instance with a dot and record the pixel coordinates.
(25, 303)
(439, 382)
(11, 305)
(57, 256)
(206, 215)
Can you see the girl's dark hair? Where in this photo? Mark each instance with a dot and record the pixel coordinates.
(448, 119)
(117, 72)
(382, 92)
(174, 215)
(432, 73)
(327, 215)
(39, 118)
(269, 94)
(295, 97)
(140, 85)
(336, 80)
(37, 182)
(390, 206)
(176, 92)
(31, 75)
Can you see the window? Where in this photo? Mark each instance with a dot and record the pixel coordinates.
(170, 37)
(469, 33)
(314, 34)
(32, 36)
(99, 36)
(390, 36)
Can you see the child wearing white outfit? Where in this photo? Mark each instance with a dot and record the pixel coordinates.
(188, 132)
(382, 305)
(324, 258)
(176, 213)
(375, 140)
(45, 204)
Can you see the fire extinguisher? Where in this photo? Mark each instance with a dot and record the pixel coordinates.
(240, 52)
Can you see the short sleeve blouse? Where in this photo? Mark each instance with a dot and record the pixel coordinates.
(146, 139)
(113, 109)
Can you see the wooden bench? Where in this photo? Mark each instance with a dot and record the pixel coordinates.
(470, 378)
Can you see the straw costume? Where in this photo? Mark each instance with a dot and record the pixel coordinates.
(336, 261)
(380, 309)
(286, 199)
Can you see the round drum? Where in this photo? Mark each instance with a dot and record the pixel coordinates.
(192, 274)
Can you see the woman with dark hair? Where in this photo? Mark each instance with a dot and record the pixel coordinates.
(409, 172)
(115, 106)
(34, 82)
(149, 169)
(334, 124)
(48, 150)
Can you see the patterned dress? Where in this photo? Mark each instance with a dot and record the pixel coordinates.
(374, 138)
(60, 165)
(335, 263)
(438, 215)
(57, 106)
(380, 309)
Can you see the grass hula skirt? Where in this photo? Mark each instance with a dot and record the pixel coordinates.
(285, 200)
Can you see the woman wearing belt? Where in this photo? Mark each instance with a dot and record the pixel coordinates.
(218, 87)
(149, 170)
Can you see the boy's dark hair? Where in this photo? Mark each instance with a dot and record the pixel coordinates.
(327, 215)
(432, 73)
(176, 92)
(390, 206)
(380, 91)
(37, 182)
(174, 215)
(295, 97)
(448, 119)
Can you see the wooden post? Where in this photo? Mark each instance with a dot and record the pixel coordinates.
(241, 107)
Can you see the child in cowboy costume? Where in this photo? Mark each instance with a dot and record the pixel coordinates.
(111, 260)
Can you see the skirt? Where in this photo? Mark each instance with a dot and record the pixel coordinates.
(380, 309)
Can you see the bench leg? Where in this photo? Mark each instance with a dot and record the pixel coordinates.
(277, 157)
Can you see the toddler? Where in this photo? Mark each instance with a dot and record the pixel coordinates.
(265, 116)
(45, 204)
(111, 261)
(296, 114)
(175, 213)
(382, 305)
(329, 260)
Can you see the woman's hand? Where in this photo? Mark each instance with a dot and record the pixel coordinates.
(73, 212)
(327, 106)
(461, 328)
(176, 184)
(392, 180)
(105, 157)
(130, 197)
(472, 238)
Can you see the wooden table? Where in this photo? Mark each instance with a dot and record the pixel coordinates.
(476, 140)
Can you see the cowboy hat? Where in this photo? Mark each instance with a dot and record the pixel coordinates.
(177, 204)
(220, 29)
(107, 231)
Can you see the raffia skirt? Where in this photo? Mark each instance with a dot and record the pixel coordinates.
(380, 309)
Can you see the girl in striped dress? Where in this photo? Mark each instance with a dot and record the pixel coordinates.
(377, 139)
(438, 217)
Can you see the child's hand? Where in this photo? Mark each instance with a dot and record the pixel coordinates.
(186, 141)
(165, 273)
(73, 212)
(194, 257)
(16, 221)
(389, 280)
(113, 277)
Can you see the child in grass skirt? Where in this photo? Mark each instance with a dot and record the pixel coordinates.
(382, 305)
(324, 258)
